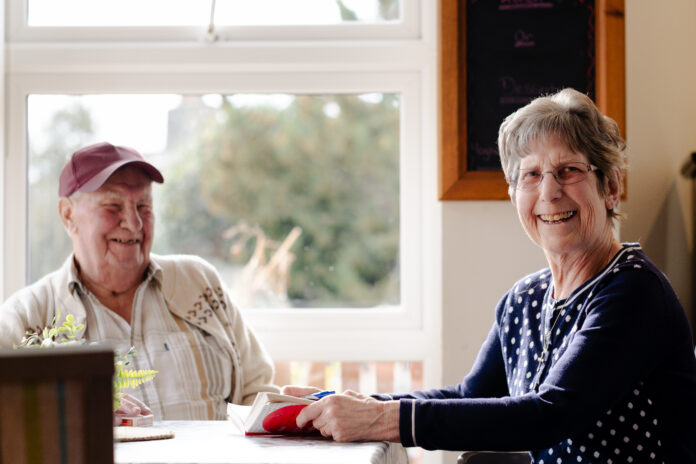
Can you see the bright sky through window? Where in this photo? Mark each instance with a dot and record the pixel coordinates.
(118, 118)
(84, 13)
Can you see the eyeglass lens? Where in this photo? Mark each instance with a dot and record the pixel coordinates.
(565, 174)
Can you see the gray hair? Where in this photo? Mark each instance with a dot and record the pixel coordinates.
(574, 119)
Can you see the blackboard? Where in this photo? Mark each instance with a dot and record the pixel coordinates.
(517, 50)
(497, 55)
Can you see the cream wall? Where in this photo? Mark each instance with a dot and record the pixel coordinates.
(484, 248)
(485, 252)
(661, 126)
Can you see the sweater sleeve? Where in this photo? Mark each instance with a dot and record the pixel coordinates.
(187, 277)
(607, 356)
(15, 319)
(254, 362)
(33, 308)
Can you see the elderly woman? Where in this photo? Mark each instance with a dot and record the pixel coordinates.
(588, 360)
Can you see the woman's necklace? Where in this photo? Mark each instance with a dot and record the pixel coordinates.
(548, 331)
(546, 345)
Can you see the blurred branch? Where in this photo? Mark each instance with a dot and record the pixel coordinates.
(262, 276)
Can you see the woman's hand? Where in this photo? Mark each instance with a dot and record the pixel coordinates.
(130, 406)
(353, 417)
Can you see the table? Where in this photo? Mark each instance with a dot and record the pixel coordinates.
(221, 442)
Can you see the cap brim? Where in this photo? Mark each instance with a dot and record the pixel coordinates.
(98, 180)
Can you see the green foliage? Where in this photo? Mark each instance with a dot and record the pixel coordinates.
(53, 335)
(326, 164)
(346, 13)
(128, 378)
(66, 334)
(388, 10)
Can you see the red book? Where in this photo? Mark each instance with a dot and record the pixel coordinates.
(273, 413)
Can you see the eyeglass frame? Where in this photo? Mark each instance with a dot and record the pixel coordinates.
(554, 173)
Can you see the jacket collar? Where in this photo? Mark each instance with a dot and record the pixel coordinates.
(76, 287)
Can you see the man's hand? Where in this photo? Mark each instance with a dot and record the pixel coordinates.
(353, 417)
(130, 406)
(299, 391)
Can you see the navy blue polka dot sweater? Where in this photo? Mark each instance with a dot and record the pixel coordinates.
(607, 375)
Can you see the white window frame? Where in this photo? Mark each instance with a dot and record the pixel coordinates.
(408, 27)
(310, 66)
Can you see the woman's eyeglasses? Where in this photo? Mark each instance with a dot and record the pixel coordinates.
(565, 174)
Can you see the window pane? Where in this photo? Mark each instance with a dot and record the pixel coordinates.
(363, 377)
(294, 198)
(197, 12)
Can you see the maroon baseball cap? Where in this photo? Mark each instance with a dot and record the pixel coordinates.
(89, 167)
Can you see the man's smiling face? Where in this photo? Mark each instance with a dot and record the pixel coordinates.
(112, 228)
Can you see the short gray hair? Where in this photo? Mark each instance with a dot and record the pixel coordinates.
(574, 119)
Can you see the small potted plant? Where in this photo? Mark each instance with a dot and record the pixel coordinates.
(65, 334)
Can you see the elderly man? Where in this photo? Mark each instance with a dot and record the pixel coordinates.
(174, 310)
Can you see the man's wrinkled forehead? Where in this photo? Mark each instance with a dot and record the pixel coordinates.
(120, 192)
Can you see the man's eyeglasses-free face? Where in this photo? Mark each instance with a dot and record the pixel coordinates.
(565, 174)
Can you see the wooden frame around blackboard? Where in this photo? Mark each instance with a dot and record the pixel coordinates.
(458, 183)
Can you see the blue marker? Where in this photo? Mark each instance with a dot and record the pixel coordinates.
(320, 395)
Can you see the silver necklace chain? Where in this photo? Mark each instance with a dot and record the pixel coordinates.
(546, 346)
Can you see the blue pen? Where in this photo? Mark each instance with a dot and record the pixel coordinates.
(320, 395)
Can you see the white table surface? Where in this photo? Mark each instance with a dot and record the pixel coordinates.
(221, 442)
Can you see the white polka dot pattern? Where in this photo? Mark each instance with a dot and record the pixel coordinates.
(629, 431)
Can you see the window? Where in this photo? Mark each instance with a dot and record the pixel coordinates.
(357, 112)
(357, 376)
(294, 198)
(90, 13)
(167, 20)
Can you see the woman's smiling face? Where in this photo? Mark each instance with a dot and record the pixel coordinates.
(562, 219)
